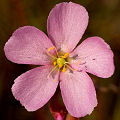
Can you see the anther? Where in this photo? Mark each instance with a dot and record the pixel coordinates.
(64, 69)
(60, 65)
(54, 63)
(51, 48)
(66, 55)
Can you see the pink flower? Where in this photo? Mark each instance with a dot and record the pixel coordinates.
(61, 61)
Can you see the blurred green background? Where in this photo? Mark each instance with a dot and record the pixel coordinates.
(104, 22)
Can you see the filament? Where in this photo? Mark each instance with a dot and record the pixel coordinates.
(52, 71)
(71, 67)
(51, 48)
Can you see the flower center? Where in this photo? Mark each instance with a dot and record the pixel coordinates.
(60, 62)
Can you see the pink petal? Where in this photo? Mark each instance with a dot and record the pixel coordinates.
(78, 93)
(33, 89)
(28, 45)
(66, 25)
(95, 57)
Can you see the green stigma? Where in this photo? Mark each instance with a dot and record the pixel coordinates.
(60, 61)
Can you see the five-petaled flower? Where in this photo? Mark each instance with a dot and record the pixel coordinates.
(61, 61)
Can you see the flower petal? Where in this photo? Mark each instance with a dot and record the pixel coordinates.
(66, 25)
(78, 93)
(95, 57)
(28, 45)
(33, 89)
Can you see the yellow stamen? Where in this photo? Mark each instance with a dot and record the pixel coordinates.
(51, 48)
(60, 65)
(54, 63)
(66, 55)
(64, 69)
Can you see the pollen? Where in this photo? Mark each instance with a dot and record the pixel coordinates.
(51, 48)
(60, 65)
(59, 61)
(54, 63)
(64, 69)
(66, 55)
